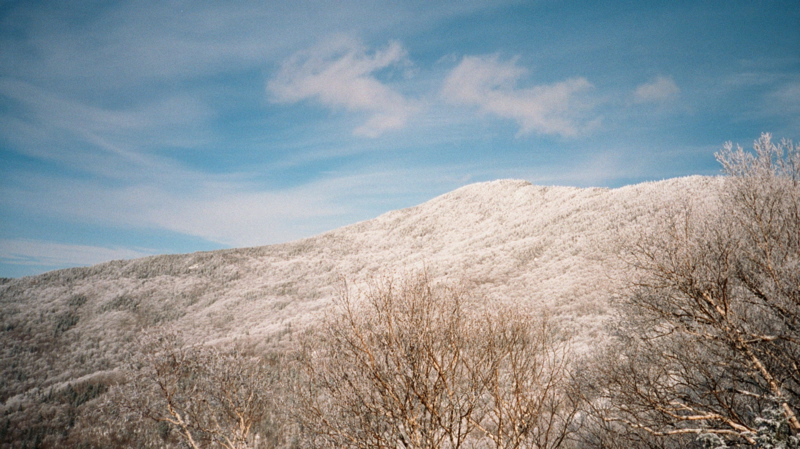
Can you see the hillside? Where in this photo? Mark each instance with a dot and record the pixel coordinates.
(552, 246)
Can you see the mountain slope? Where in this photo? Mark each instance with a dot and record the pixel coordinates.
(552, 246)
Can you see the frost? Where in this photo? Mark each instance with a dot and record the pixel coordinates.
(549, 247)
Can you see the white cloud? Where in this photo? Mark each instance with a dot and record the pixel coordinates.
(101, 140)
(341, 74)
(216, 208)
(51, 254)
(491, 84)
(225, 209)
(661, 89)
(234, 216)
(125, 43)
(785, 100)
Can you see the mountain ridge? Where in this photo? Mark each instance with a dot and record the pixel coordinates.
(549, 246)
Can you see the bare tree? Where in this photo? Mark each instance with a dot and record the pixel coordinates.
(419, 365)
(710, 336)
(204, 396)
(525, 372)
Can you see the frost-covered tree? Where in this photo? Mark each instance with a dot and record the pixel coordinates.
(773, 431)
(710, 334)
(180, 395)
(419, 365)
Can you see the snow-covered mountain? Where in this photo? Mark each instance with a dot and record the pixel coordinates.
(554, 247)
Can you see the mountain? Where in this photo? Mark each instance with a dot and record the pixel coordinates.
(554, 247)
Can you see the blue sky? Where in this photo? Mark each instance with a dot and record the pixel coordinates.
(148, 127)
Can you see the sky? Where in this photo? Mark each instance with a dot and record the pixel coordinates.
(133, 128)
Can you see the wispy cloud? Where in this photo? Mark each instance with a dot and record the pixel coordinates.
(785, 99)
(659, 90)
(96, 139)
(221, 209)
(491, 84)
(226, 209)
(342, 74)
(52, 254)
(234, 215)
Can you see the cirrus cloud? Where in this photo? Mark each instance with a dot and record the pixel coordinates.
(341, 74)
(491, 84)
(54, 254)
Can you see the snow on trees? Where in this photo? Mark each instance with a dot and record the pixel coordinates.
(709, 339)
